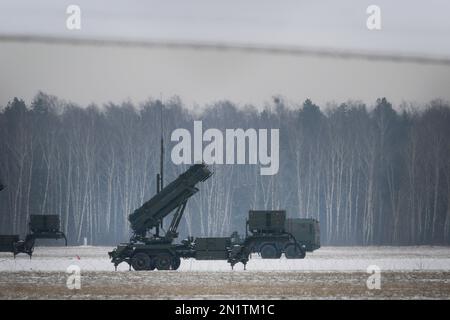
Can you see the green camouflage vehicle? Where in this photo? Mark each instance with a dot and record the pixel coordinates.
(271, 233)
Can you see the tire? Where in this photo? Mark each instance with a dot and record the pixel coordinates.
(269, 251)
(140, 261)
(163, 261)
(301, 254)
(152, 264)
(291, 251)
(176, 261)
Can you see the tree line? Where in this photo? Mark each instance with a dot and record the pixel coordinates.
(371, 174)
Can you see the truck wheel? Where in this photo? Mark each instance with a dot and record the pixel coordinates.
(268, 251)
(152, 266)
(301, 254)
(140, 261)
(163, 262)
(291, 251)
(176, 261)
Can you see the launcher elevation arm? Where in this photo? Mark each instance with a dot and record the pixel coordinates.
(172, 197)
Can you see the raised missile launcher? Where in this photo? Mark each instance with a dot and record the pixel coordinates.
(148, 249)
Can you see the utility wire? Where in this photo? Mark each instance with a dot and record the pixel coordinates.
(197, 45)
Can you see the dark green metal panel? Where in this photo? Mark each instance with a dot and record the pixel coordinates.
(7, 242)
(266, 221)
(305, 231)
(211, 255)
(212, 248)
(44, 226)
(44, 223)
(212, 244)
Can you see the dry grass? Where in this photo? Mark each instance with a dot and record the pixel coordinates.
(225, 285)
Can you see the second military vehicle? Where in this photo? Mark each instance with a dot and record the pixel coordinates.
(41, 226)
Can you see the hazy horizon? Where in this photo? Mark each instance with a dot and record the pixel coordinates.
(85, 74)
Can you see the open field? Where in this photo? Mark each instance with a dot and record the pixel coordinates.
(329, 273)
(220, 285)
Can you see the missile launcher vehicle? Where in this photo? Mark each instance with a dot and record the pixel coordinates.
(271, 233)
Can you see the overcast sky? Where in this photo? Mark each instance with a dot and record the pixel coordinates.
(87, 73)
(407, 25)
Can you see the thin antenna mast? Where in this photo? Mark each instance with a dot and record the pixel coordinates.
(160, 175)
(161, 163)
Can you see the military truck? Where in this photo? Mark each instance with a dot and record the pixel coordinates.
(272, 235)
(149, 249)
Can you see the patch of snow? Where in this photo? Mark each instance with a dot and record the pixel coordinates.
(91, 258)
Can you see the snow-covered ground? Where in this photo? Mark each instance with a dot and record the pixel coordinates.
(417, 258)
(328, 273)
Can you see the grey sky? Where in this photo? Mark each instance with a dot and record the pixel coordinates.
(407, 25)
(87, 73)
